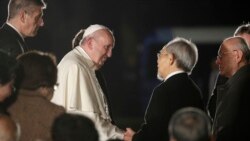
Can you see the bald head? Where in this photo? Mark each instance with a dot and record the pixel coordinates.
(232, 55)
(238, 42)
(8, 129)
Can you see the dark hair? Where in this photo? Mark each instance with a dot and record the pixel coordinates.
(78, 37)
(15, 5)
(38, 69)
(190, 124)
(73, 127)
(244, 28)
(8, 68)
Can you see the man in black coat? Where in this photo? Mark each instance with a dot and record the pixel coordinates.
(24, 20)
(243, 31)
(232, 114)
(175, 62)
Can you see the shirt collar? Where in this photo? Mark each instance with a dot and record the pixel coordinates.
(172, 74)
(15, 30)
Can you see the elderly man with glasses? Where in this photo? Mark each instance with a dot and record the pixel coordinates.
(231, 120)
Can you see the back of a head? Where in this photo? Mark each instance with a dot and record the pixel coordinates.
(242, 29)
(185, 53)
(72, 127)
(244, 32)
(190, 124)
(15, 6)
(38, 70)
(8, 129)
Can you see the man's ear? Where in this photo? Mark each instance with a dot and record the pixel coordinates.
(22, 16)
(239, 56)
(89, 43)
(171, 59)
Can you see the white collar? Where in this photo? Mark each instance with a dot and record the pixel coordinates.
(173, 73)
(90, 62)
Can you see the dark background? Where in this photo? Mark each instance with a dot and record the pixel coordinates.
(131, 72)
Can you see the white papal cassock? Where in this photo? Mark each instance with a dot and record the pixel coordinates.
(79, 92)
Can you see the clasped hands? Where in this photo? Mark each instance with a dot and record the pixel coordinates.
(128, 135)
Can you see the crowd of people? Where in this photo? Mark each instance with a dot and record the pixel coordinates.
(43, 100)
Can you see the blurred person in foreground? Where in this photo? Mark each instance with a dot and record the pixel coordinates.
(9, 130)
(33, 110)
(74, 127)
(8, 71)
(190, 124)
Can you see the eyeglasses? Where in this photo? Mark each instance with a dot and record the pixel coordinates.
(160, 54)
(220, 55)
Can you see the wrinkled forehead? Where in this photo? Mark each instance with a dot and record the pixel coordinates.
(35, 10)
(227, 45)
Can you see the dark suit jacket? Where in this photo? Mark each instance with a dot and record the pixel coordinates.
(11, 42)
(211, 106)
(232, 112)
(35, 115)
(176, 92)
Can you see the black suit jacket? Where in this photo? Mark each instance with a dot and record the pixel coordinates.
(232, 117)
(211, 105)
(176, 92)
(11, 42)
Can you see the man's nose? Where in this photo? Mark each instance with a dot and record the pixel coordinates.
(217, 61)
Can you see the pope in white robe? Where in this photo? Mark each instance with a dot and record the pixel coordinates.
(79, 91)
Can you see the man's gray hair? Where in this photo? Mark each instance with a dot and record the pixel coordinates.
(185, 53)
(15, 6)
(242, 29)
(190, 124)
